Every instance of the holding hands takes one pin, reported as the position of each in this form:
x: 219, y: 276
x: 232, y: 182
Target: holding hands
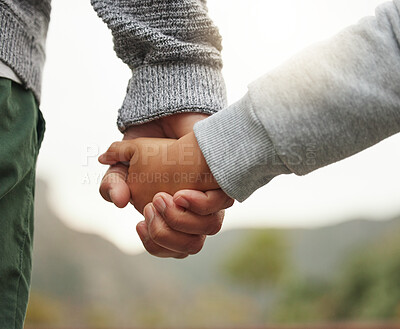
x: 167, y: 179
x: 160, y: 164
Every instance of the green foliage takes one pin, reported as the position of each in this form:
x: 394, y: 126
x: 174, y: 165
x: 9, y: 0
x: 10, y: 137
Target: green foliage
x: 368, y: 289
x: 260, y: 260
x: 370, y: 286
x: 303, y: 301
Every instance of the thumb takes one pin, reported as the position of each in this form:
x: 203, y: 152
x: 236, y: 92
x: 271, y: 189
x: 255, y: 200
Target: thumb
x: 119, y: 152
x: 114, y: 188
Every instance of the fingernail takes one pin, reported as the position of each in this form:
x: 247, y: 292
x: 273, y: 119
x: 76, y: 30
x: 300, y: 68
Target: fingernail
x: 110, y: 195
x: 101, y: 157
x: 140, y: 229
x: 180, y: 201
x: 160, y: 204
x: 149, y: 213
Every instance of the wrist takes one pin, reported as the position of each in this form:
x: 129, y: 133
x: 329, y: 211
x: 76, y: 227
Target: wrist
x: 192, y: 161
x: 180, y: 124
x: 173, y: 126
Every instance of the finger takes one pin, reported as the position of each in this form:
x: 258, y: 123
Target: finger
x: 153, y: 248
x: 182, y: 220
x: 203, y: 203
x: 113, y: 187
x: 119, y: 152
x: 161, y: 234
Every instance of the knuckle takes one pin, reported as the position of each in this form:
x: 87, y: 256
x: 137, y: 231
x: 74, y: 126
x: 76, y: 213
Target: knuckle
x: 152, y: 249
x: 204, y: 210
x: 208, y: 209
x: 195, y: 245
x: 159, y: 195
x: 172, y: 219
x: 220, y: 215
x: 156, y: 232
x: 229, y: 203
x: 114, y: 145
x: 215, y: 222
x: 214, y: 227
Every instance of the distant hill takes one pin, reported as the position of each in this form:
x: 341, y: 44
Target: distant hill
x: 97, y: 284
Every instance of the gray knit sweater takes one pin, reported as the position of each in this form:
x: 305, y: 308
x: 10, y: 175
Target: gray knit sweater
x: 329, y: 102
x: 172, y: 47
x: 325, y: 104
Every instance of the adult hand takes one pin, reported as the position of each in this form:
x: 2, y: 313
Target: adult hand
x: 170, y: 230
x: 166, y: 233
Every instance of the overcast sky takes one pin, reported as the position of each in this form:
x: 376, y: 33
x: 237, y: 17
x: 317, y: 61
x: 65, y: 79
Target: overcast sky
x: 84, y: 85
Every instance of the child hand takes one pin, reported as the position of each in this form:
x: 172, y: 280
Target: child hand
x: 161, y: 165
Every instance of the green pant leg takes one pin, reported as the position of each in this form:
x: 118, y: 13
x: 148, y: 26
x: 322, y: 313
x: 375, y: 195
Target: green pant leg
x: 21, y: 131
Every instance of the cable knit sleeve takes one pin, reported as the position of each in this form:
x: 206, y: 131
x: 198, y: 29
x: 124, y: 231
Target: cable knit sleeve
x: 174, y: 51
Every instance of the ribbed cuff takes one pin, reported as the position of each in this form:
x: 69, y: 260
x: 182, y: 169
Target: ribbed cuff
x: 20, y: 51
x: 157, y: 91
x: 238, y: 150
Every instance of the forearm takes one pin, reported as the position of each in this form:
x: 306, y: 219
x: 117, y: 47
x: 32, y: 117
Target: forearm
x: 173, y: 49
x: 329, y: 102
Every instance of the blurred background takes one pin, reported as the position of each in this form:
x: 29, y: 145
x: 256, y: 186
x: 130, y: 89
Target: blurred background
x: 324, y: 248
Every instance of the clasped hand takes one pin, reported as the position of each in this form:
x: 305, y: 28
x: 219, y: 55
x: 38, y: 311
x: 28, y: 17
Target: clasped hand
x: 167, y: 180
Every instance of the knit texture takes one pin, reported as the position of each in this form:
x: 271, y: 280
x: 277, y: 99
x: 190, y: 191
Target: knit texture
x: 247, y: 159
x: 23, y: 30
x: 173, y: 49
x: 6, y: 72
x: 155, y: 91
x: 327, y: 103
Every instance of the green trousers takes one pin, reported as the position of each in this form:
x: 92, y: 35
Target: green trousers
x: 21, y: 132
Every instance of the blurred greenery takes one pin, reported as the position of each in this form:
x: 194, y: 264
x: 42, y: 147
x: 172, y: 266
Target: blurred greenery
x: 261, y: 260
x: 242, y: 278
x: 367, y: 287
x: 303, y: 301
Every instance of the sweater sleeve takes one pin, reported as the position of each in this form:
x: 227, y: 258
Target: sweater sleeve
x: 174, y: 51
x: 327, y: 103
